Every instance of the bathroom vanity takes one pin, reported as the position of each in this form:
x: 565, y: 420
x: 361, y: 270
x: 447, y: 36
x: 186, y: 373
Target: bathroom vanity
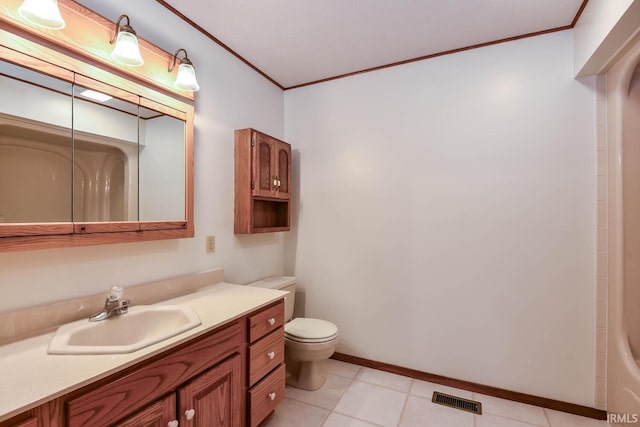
x: 229, y: 371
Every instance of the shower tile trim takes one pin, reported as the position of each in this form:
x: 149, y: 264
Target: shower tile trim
x: 602, y: 244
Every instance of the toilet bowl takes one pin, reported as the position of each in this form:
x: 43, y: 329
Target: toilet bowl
x: 308, y: 342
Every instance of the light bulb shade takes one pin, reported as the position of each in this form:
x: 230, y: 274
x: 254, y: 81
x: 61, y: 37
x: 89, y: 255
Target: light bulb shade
x: 186, y: 78
x: 42, y: 13
x: 126, y: 50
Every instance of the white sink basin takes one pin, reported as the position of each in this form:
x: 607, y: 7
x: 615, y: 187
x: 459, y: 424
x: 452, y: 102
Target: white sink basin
x: 139, y: 328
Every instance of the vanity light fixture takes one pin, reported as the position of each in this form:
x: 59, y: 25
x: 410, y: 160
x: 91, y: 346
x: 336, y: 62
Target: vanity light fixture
x: 42, y: 13
x: 186, y: 78
x: 126, y: 50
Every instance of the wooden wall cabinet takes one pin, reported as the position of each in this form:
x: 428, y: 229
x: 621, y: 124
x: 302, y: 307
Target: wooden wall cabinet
x: 262, y: 183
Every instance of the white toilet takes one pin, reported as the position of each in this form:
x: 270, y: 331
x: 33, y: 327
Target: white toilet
x: 307, y: 342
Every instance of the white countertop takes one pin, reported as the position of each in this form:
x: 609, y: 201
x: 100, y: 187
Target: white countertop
x: 29, y: 376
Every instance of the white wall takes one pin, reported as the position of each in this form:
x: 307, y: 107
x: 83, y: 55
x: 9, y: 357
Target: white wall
x: 447, y: 215
x: 232, y: 96
x: 594, y: 41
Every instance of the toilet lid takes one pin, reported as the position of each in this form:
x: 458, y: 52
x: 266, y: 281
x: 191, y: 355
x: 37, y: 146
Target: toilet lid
x: 303, y: 329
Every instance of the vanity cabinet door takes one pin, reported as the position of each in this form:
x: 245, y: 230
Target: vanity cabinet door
x: 282, y: 162
x: 158, y: 414
x: 36, y: 417
x: 213, y: 399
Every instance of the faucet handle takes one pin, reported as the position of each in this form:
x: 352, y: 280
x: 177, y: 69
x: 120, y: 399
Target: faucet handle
x: 115, y: 293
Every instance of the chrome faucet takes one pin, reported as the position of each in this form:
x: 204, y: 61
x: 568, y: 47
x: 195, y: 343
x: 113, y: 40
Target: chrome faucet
x: 114, y: 305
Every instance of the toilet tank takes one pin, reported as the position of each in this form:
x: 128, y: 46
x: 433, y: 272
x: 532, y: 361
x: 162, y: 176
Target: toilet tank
x: 282, y: 283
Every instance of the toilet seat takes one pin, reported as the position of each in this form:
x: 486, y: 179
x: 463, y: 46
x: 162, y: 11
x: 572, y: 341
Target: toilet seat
x: 306, y: 330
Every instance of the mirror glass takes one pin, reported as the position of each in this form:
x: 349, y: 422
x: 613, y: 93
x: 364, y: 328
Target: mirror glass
x: 68, y: 155
x: 35, y: 147
x: 162, y: 166
x: 105, y: 157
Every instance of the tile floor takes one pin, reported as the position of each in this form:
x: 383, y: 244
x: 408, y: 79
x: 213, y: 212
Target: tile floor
x: 355, y: 396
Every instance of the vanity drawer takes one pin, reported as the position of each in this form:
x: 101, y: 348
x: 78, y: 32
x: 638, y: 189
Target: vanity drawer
x: 265, y: 396
x: 265, y: 355
x: 266, y: 321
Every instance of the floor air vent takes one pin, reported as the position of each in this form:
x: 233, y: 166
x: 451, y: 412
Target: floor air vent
x: 457, y: 402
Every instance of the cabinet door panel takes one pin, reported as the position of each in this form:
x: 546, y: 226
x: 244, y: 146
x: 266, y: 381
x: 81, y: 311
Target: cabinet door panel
x: 214, y: 399
x: 284, y: 173
x: 126, y: 395
x: 157, y: 414
x: 263, y: 173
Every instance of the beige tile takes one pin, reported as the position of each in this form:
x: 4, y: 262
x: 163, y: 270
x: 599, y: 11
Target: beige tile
x: 601, y: 340
x: 602, y: 264
x: 602, y: 213
x: 344, y: 369
x: 326, y: 396
x: 601, y: 137
x: 420, y: 412
x: 601, y: 315
x: 601, y: 87
x: 600, y: 388
x: 601, y: 365
x: 602, y: 167
x: 425, y: 389
x: 291, y: 413
x: 602, y: 189
x: 601, y: 112
x: 509, y: 409
x: 602, y: 288
x: 602, y: 238
x: 369, y: 402
x: 339, y: 420
x: 562, y: 419
x: 384, y: 379
x: 489, y: 420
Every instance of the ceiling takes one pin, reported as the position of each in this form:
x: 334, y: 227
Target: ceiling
x: 296, y: 42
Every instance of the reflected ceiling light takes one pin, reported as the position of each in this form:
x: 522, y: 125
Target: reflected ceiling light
x: 42, y: 13
x: 186, y: 78
x: 126, y: 50
x: 98, y: 96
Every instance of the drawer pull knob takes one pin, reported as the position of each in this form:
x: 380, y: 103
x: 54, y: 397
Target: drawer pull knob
x: 272, y: 395
x: 272, y: 321
x: 173, y: 423
x: 189, y: 413
x: 271, y: 355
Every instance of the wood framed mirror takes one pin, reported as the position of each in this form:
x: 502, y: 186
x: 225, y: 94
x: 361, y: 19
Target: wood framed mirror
x: 77, y: 171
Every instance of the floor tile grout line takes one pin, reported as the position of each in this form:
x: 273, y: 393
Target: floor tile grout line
x: 544, y: 410
x: 356, y: 418
x: 404, y: 405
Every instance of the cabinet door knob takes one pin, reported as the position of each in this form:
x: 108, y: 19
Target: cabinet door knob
x: 173, y: 423
x: 272, y: 321
x: 189, y: 413
x: 272, y: 395
x: 271, y: 355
